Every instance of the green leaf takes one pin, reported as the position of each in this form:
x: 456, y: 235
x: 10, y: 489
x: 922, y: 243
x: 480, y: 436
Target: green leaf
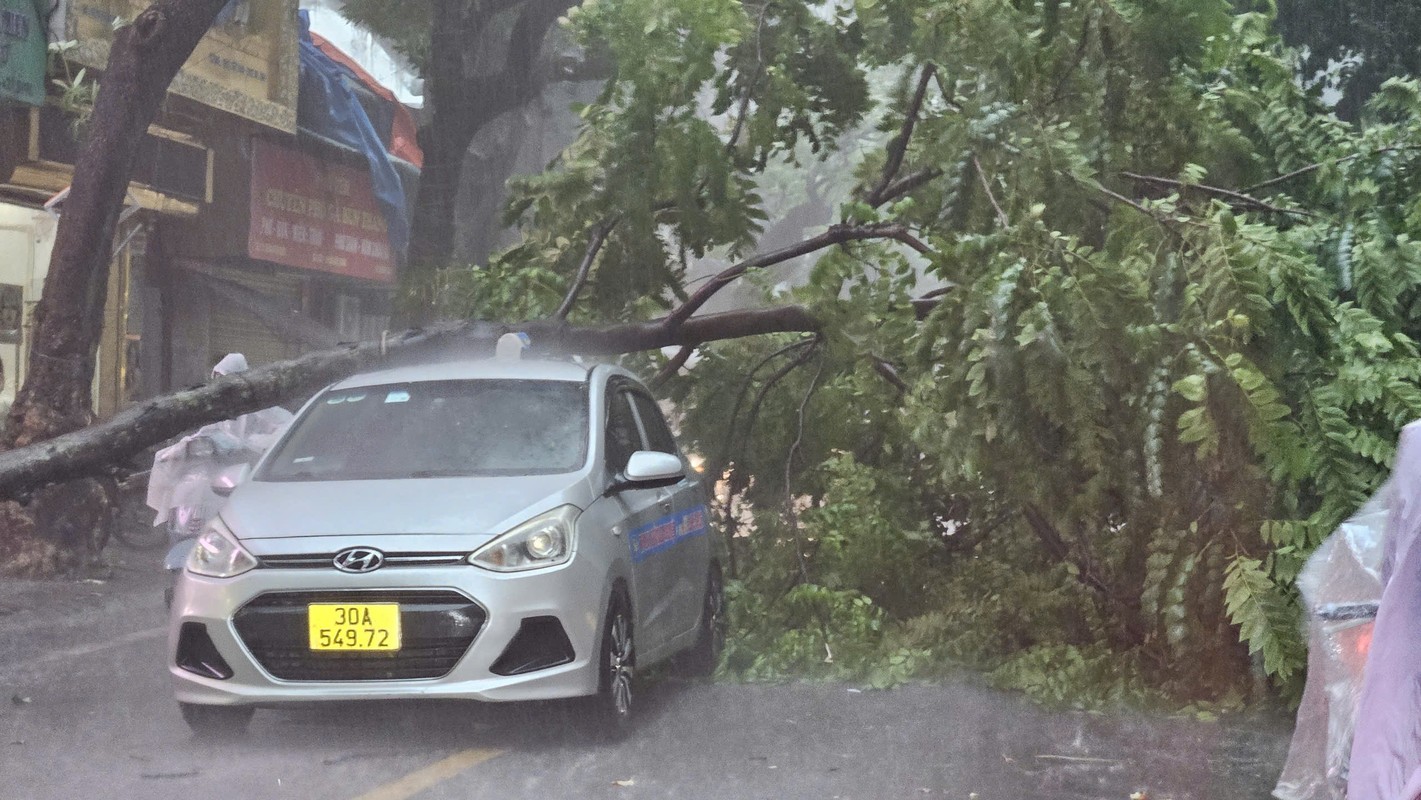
x: 1191, y: 388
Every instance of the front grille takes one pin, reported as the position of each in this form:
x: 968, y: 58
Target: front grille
x: 437, y: 627
x: 323, y: 560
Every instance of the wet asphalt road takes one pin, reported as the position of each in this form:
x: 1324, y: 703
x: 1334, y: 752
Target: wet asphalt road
x: 101, y: 723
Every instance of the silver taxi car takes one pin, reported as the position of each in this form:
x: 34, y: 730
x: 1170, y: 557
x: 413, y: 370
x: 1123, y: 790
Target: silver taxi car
x: 491, y: 530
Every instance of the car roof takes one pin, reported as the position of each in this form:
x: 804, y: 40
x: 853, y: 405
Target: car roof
x: 473, y: 369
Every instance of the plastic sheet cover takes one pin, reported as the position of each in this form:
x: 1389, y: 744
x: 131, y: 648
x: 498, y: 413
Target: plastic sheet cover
x: 1386, y: 750
x: 1341, y: 586
x: 181, y: 480
x: 182, y: 475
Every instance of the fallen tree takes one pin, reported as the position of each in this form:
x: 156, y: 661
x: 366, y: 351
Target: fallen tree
x: 57, y: 490
x: 96, y: 450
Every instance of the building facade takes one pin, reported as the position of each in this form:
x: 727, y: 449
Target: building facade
x: 254, y: 222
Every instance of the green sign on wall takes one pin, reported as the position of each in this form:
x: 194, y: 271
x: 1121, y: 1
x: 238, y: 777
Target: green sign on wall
x: 22, y: 52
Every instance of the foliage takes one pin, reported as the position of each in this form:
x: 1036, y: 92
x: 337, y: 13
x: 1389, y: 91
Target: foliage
x: 77, y: 90
x: 1177, y: 341
x: 404, y: 25
x: 498, y: 290
x: 1083, y: 677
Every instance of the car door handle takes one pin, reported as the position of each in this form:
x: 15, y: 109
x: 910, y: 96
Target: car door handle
x: 665, y: 502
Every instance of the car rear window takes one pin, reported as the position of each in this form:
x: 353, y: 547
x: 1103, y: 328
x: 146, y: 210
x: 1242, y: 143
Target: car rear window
x: 436, y: 429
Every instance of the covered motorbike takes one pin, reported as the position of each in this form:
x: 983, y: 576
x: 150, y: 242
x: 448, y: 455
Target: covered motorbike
x: 1341, y: 587
x: 186, y: 485
x: 1358, y: 731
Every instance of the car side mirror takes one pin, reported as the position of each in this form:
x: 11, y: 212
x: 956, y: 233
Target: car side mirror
x: 230, y: 478
x: 648, y: 469
x: 649, y: 466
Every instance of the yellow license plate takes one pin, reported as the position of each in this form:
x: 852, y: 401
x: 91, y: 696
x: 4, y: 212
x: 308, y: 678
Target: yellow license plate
x: 354, y: 626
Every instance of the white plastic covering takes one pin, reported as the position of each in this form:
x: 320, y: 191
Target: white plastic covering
x: 510, y: 346
x: 1341, y: 584
x: 1386, y: 749
x: 181, y: 480
x: 230, y: 363
x: 180, y: 485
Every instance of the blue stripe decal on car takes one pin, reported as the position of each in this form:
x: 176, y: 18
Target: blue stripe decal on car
x: 666, y: 533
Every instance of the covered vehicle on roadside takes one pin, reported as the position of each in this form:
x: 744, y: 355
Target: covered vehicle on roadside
x: 496, y: 530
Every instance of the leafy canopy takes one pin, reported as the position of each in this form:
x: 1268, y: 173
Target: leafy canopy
x: 1175, y: 346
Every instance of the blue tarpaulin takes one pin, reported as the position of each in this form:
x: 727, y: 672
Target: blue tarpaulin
x: 324, y: 85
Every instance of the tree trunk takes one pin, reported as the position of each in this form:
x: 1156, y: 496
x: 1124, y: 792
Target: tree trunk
x: 432, y: 230
x: 464, y: 96
x: 68, y: 321
x: 455, y: 25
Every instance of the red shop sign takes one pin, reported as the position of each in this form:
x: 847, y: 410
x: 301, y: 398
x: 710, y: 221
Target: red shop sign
x: 313, y: 214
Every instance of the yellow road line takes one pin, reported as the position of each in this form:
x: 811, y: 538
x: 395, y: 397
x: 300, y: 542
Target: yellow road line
x: 438, y: 772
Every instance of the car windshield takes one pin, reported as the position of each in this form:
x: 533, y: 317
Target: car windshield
x: 436, y: 429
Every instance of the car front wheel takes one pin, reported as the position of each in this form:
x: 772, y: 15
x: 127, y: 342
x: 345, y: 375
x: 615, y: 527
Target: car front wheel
x: 612, y: 706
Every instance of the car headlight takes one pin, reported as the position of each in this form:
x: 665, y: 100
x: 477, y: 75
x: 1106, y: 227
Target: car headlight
x: 217, y: 554
x: 544, y: 541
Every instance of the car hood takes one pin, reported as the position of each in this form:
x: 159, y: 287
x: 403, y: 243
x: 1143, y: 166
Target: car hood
x: 428, y: 506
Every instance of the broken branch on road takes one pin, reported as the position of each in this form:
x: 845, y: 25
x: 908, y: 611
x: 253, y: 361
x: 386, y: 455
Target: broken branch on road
x: 92, y: 451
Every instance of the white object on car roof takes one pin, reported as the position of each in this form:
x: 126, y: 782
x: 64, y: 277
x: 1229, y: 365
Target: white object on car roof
x: 511, y: 346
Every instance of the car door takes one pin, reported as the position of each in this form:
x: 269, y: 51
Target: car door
x: 645, y: 513
x: 685, y: 562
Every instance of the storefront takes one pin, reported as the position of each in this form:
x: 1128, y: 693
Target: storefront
x: 171, y: 181
x: 250, y: 226
x: 242, y: 75
x: 295, y: 258
x: 300, y: 249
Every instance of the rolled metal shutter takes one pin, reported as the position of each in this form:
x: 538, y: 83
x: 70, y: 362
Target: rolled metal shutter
x: 234, y: 330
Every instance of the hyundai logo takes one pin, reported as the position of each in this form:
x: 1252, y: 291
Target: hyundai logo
x: 358, y: 559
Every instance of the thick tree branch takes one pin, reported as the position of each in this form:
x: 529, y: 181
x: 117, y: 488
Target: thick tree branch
x: 518, y: 80
x: 923, y: 306
x: 888, y: 372
x: 906, y: 184
x: 93, y: 451
x: 463, y: 103
x: 594, y: 246
x: 898, y: 147
x: 837, y: 234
